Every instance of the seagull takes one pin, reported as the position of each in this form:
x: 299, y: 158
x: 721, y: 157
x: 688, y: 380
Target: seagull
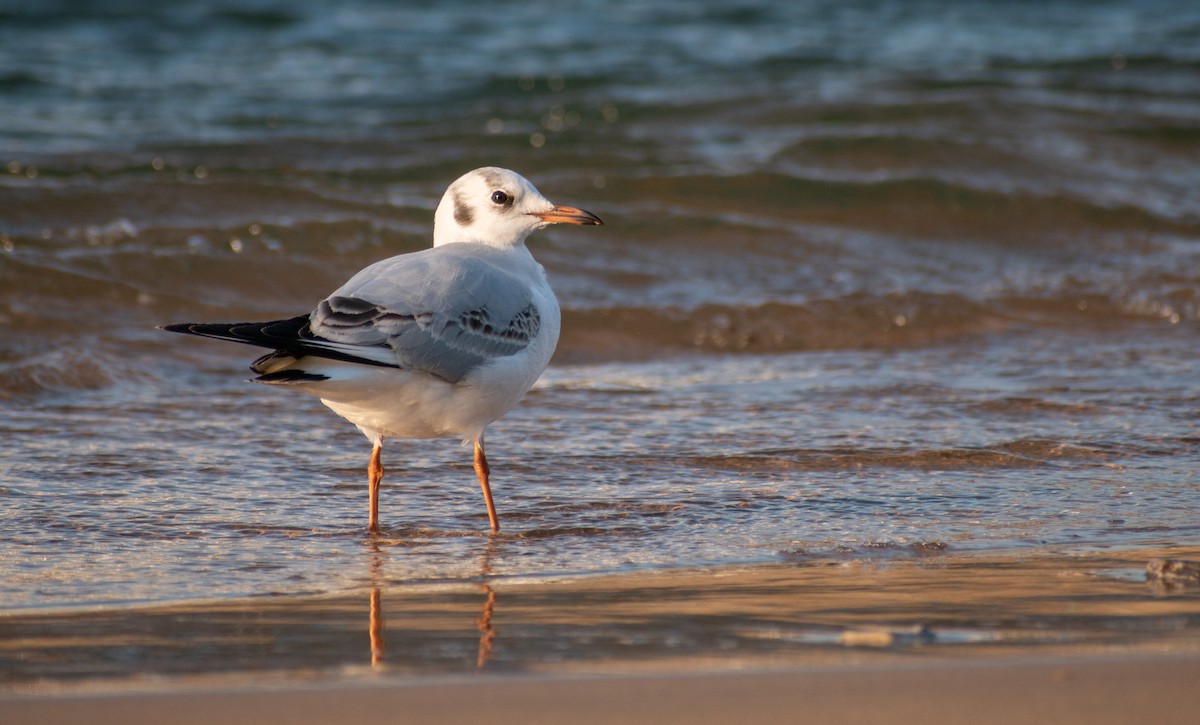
x: 440, y: 342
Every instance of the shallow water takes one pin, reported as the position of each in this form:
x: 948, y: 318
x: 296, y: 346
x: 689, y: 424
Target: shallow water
x: 875, y: 280
x: 182, y: 493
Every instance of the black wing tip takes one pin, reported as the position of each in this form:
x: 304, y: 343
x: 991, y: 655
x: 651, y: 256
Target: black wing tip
x: 207, y: 329
x: 288, y: 377
x: 274, y: 333
x: 291, y: 337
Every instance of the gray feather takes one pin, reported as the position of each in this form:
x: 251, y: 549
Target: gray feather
x: 443, y: 311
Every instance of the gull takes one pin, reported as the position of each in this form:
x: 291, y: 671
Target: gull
x: 440, y: 342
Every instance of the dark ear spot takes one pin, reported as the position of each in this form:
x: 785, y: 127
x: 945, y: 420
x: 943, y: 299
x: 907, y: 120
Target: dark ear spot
x: 462, y: 212
x: 492, y: 177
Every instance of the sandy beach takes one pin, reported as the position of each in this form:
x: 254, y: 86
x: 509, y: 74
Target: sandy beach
x: 1049, y: 690
x: 1050, y: 637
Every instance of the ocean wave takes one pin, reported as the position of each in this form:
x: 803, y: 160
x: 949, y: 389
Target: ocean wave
x: 853, y: 322
x: 1029, y: 453
x: 912, y: 206
x: 56, y: 370
x: 127, y: 278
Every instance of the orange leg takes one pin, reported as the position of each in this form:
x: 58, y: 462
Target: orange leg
x: 374, y: 476
x: 482, y: 471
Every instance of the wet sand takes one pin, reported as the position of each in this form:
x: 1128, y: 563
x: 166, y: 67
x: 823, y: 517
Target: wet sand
x: 1047, y: 637
x: 1095, y: 691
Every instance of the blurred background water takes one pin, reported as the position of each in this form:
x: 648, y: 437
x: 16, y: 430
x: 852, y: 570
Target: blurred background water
x: 877, y: 279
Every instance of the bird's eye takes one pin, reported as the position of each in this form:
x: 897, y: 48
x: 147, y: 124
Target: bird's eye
x: 500, y: 197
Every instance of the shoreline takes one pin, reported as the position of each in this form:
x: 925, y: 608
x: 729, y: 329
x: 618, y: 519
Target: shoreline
x: 819, y: 613
x: 1095, y: 690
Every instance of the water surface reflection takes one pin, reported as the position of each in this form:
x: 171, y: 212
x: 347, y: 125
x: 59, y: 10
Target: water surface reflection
x: 806, y: 612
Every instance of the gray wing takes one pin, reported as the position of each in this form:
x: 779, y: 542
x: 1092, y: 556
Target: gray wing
x: 443, y: 311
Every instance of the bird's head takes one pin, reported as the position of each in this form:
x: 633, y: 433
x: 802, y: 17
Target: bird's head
x: 499, y: 208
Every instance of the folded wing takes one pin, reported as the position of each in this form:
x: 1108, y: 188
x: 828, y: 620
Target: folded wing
x: 443, y: 311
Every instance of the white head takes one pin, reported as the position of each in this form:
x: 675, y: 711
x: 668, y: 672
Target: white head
x: 499, y: 208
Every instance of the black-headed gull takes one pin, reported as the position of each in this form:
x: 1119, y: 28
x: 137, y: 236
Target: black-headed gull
x: 434, y: 343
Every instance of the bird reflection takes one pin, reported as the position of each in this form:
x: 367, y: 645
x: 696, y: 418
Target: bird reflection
x: 376, y: 629
x: 376, y: 624
x: 486, y: 634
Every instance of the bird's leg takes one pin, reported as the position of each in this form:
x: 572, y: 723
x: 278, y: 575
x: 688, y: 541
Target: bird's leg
x: 482, y: 471
x: 374, y: 476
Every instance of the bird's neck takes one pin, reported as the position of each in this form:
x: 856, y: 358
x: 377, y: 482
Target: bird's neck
x: 455, y: 234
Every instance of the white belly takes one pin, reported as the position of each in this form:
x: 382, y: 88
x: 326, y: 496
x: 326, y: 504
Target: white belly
x: 390, y: 403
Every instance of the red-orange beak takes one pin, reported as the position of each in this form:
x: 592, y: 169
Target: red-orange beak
x: 568, y: 215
